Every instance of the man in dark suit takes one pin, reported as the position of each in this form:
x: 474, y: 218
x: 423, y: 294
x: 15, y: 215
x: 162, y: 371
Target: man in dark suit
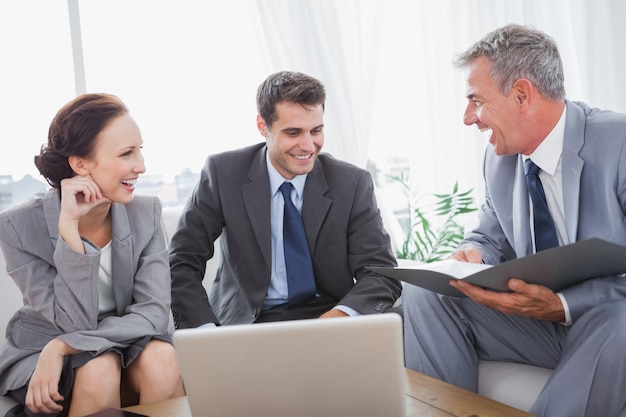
x: 515, y: 91
x: 238, y: 199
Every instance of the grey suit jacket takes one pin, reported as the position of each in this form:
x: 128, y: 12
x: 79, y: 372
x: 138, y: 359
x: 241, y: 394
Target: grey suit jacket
x: 232, y: 200
x: 59, y: 285
x: 594, y: 194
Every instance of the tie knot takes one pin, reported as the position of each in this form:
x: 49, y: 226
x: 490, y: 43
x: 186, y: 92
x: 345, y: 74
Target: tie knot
x: 285, y: 188
x: 530, y: 168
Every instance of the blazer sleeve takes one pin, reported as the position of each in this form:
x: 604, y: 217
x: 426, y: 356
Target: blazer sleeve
x: 191, y: 246
x: 368, y: 244
x: 64, y: 298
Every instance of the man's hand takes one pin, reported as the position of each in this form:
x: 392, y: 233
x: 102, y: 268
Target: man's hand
x: 528, y: 300
x: 333, y: 313
x: 467, y: 254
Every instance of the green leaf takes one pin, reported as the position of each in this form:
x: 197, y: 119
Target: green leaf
x: 425, y: 241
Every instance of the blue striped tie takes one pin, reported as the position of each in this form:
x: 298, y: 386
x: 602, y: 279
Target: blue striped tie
x: 545, y: 232
x: 300, y: 278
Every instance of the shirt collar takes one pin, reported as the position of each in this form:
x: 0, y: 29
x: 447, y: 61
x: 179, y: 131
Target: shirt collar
x: 276, y: 180
x: 548, y: 153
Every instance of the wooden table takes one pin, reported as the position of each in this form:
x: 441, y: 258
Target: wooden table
x: 426, y: 397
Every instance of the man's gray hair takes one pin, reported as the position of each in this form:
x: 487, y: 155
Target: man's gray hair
x: 517, y: 51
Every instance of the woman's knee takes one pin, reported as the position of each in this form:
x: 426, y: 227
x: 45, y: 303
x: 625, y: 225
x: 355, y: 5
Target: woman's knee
x: 100, y: 376
x: 157, y: 361
x: 155, y: 374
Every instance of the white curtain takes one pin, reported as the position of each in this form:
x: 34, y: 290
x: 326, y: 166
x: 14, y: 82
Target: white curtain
x: 334, y: 41
x: 189, y: 71
x: 392, y: 90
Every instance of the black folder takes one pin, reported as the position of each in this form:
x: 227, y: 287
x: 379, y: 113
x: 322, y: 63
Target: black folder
x: 556, y: 268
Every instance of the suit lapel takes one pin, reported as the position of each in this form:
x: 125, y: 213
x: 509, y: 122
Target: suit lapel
x: 122, y: 256
x: 572, y: 166
x: 256, y: 197
x: 315, y: 205
x: 52, y: 211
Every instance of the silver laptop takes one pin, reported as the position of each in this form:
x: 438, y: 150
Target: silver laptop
x: 340, y: 367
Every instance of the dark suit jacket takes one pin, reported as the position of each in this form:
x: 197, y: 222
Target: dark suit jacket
x: 60, y: 285
x: 594, y: 196
x: 232, y: 200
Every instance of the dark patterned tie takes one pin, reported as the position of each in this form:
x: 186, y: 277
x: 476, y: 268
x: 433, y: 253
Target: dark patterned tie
x: 300, y: 279
x: 545, y: 232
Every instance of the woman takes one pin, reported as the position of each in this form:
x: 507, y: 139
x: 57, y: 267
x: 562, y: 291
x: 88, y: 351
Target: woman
x: 90, y: 260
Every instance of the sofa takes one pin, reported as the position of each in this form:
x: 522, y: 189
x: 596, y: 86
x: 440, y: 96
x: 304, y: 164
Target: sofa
x: 511, y: 383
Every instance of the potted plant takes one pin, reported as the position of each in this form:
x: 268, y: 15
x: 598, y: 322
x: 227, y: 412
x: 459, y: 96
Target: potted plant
x: 433, y: 230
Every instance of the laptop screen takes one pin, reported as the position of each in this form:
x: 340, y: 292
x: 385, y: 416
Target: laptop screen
x: 351, y: 366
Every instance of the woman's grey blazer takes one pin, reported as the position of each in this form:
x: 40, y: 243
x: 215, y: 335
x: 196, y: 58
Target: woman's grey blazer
x: 60, y: 286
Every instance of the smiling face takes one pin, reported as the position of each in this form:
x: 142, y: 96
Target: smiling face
x: 490, y: 110
x: 117, y: 161
x: 295, y: 138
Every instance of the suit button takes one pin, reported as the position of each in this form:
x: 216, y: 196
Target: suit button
x: 378, y: 306
x: 255, y: 313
